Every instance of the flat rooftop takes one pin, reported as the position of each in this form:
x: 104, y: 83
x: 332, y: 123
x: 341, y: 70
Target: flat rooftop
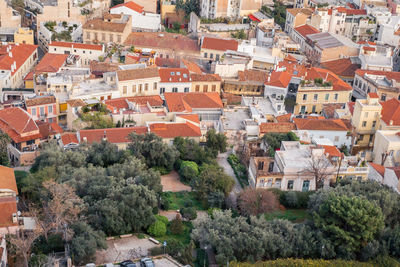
x: 233, y: 119
x: 324, y: 40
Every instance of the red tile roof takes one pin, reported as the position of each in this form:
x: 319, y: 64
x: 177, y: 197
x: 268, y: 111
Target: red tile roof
x: 113, y: 135
x: 185, y: 102
x: 7, y: 179
x: 48, y: 129
x: 368, y: 48
x: 18, y: 124
x: 366, y: 42
x: 327, y: 75
x: 350, y: 12
x: 192, y: 67
x: 342, y: 67
x: 320, y: 125
x: 77, y: 45
x: 305, y: 30
x: 131, y: 5
x: 391, y: 112
x: 293, y: 69
x: 69, y: 138
x: 277, y: 127
x: 190, y: 117
x: 389, y: 74
x: 173, y: 75
x: 120, y: 103
x: 172, y: 130
x: 373, y: 95
x: 167, y: 62
x: 205, y: 77
x: 219, y: 44
x: 279, y: 79
x: 50, y: 63
x: 8, y: 206
x: 332, y: 151
x: 379, y: 168
x: 20, y: 53
x: 253, y: 76
x: 40, y: 100
x: 29, y: 76
x: 351, y: 107
x: 284, y: 118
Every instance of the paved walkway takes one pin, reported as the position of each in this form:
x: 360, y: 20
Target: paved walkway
x: 223, y: 162
x: 171, y: 182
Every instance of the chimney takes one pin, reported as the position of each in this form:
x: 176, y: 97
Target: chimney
x: 170, y: 79
x: 269, y: 78
x: 104, y: 136
x: 10, y: 54
x: 391, y: 122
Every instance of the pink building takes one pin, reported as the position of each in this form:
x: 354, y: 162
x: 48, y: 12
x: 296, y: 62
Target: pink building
x: 42, y: 108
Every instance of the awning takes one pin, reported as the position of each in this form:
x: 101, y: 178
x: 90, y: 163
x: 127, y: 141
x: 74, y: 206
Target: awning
x: 253, y: 18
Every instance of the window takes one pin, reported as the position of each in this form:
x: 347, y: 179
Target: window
x: 315, y: 97
x: 103, y: 36
x: 205, y: 55
x: 88, y: 35
x: 373, y: 124
x: 185, y: 75
x: 174, y: 89
x: 366, y: 114
x: 303, y: 109
x: 178, y: 73
x: 119, y: 38
x: 304, y: 97
x: 313, y: 109
x: 124, y: 89
x: 213, y: 88
x: 364, y: 124
x: 336, y: 138
x: 162, y: 90
x: 326, y: 97
x: 186, y: 90
x: 197, y: 88
x: 34, y: 112
x: 50, y: 109
x: 306, y: 186
x: 140, y: 88
x: 172, y: 73
x: 146, y: 86
x: 111, y: 38
x: 211, y: 55
x: 134, y: 88
x: 336, y: 97
x: 290, y: 184
x: 217, y: 57
x: 155, y: 86
x: 41, y: 111
x: 205, y: 88
x: 383, y: 97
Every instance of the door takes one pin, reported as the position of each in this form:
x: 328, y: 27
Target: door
x: 306, y: 186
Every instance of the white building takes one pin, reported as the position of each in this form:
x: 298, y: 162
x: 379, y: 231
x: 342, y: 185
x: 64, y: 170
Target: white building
x: 388, y: 33
x: 141, y: 21
x: 86, y: 52
x: 174, y: 80
x: 72, y: 31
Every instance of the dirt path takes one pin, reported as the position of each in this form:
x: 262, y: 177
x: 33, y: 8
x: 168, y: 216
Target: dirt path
x: 171, y: 182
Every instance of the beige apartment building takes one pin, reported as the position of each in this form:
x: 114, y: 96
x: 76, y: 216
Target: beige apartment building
x: 228, y: 8
x: 296, y: 17
x: 111, y: 28
x: 365, y: 119
x: 205, y: 83
x: 320, y: 87
x: 138, y: 82
x: 24, y: 36
x: 386, y: 150
x: 8, y: 17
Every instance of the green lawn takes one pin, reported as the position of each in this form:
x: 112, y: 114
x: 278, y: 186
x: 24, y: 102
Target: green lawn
x: 293, y: 215
x: 178, y: 200
x: 184, y: 238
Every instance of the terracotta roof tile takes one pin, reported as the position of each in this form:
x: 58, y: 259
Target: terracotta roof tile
x: 284, y: 118
x: 173, y: 75
x: 8, y: 206
x: 135, y: 74
x: 102, y: 24
x: 50, y: 63
x: 205, y: 77
x: 389, y: 74
x: 192, y: 67
x: 329, y: 109
x: 277, y: 127
x: 76, y: 103
x: 391, y: 112
x: 253, y: 76
x: 131, y: 5
x: 379, y: 168
x: 20, y: 53
x: 320, y: 125
x: 305, y: 30
x: 172, y: 130
x: 121, y: 103
x: 219, y: 44
x: 167, y: 62
x: 113, y: 135
x: 332, y: 151
x: 7, y: 179
x: 77, y: 45
x: 190, y: 117
x: 350, y: 12
x: 279, y: 79
x: 185, y: 102
x: 69, y: 138
x: 162, y: 40
x: 373, y: 95
x: 342, y: 67
x: 327, y: 75
x: 40, y: 100
x: 295, y: 11
x: 48, y: 129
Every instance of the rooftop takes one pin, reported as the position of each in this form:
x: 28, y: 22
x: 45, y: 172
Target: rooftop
x: 342, y: 67
x: 109, y: 23
x: 40, y: 100
x: 320, y: 125
x: 324, y: 40
x: 174, y: 75
x: 7, y: 179
x: 135, y: 74
x: 305, y: 30
x: 131, y: 5
x: 185, y: 102
x: 77, y: 45
x: 219, y: 44
x: 50, y: 63
x: 112, y: 135
x: 390, y: 113
x: 173, y: 129
x: 13, y: 53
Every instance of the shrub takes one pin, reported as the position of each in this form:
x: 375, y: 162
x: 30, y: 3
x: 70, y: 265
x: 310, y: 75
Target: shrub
x: 162, y: 218
x: 176, y: 226
x: 164, y: 203
x: 157, y: 229
x: 188, y: 170
x: 294, y: 199
x: 189, y: 213
x: 291, y: 199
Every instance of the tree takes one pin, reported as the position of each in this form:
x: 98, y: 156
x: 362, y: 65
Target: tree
x: 188, y: 170
x: 190, y: 150
x: 188, y: 6
x: 105, y: 154
x: 255, y: 201
x: 85, y: 243
x: 157, y: 229
x: 216, y: 142
x: 216, y: 199
x: 4, y: 141
x: 176, y: 226
x: 153, y: 150
x: 320, y: 168
x: 188, y: 213
x: 274, y: 140
x: 349, y: 222
x: 212, y: 178
x: 239, y: 35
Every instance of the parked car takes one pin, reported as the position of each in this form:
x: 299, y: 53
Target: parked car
x: 127, y: 263
x: 147, y: 262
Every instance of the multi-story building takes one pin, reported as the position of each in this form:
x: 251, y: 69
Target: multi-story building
x: 386, y: 149
x: 138, y: 82
x: 111, y: 28
x: 296, y: 17
x: 365, y: 120
x: 86, y: 52
x: 328, y: 20
x: 174, y: 80
x: 320, y: 87
x: 24, y: 134
x: 9, y: 18
x: 388, y: 32
x: 224, y: 8
x: 62, y: 31
x: 299, y: 34
x: 215, y: 48
x: 141, y: 21
x: 24, y: 36
x: 376, y: 57
x: 42, y: 108
x: 248, y: 82
x: 205, y: 82
x: 16, y: 60
x: 385, y: 83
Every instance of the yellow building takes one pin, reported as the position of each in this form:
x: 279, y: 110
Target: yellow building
x: 205, y: 82
x: 24, y: 36
x: 166, y: 7
x: 320, y: 87
x: 365, y: 119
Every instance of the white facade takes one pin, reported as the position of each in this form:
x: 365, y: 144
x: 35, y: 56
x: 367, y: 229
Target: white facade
x: 45, y: 35
x: 140, y: 21
x: 85, y: 52
x: 386, y: 32
x: 174, y: 87
x: 338, y: 138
